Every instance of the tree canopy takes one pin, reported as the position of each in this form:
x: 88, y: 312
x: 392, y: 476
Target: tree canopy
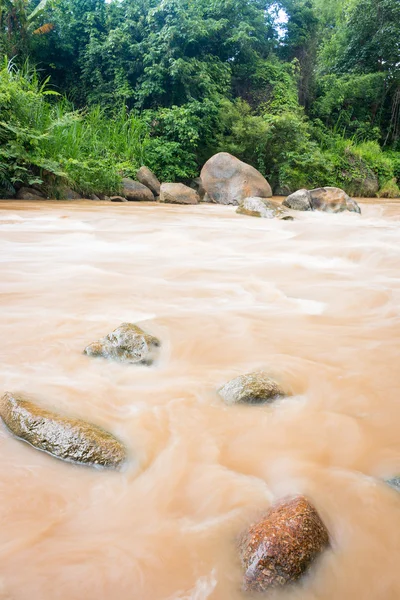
x: 288, y: 85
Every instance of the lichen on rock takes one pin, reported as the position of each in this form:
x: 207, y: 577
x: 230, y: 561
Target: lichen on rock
x: 63, y: 437
x: 251, y: 388
x: 128, y: 343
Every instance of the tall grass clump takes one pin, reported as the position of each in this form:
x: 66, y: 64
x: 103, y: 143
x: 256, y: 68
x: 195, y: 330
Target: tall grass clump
x: 44, y: 141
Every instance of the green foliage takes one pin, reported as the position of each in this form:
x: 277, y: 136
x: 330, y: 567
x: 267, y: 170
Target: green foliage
x: 44, y: 141
x: 167, y: 84
x: 390, y: 189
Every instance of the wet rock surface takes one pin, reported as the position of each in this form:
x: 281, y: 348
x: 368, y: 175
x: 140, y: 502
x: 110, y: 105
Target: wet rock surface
x: 300, y: 200
x: 128, y: 343
x: 63, y: 437
x: 331, y: 199
x: 394, y: 482
x: 178, y: 193
x: 228, y: 180
x: 118, y: 199
x: 261, y: 207
x: 147, y: 178
x: 282, y: 545
x: 251, y: 388
x: 26, y: 193
x: 135, y: 191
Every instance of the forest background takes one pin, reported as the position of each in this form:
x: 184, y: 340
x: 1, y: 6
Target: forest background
x: 307, y: 91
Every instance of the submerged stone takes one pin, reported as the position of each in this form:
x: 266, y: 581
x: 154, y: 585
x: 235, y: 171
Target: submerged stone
x: 281, y: 546
x: 394, y: 482
x: 261, y: 207
x: 63, y: 437
x: 252, y: 388
x: 128, y: 343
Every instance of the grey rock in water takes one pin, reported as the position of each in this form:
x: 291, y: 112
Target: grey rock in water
x: 128, y: 343
x: 63, y: 437
x: 118, y: 199
x: 197, y: 185
x: 228, y: 180
x: 94, y: 197
x: 26, y: 193
x: 261, y: 207
x: 135, y: 191
x: 300, y: 200
x: 281, y: 547
x: 332, y: 199
x: 178, y: 193
x: 394, y: 482
x: 66, y: 193
x: 252, y: 388
x: 147, y: 178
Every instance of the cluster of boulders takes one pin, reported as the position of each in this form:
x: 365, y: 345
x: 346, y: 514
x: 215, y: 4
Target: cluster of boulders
x: 224, y: 179
x: 276, y: 550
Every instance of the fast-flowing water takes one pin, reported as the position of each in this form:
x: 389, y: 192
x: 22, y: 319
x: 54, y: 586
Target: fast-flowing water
x: 315, y: 301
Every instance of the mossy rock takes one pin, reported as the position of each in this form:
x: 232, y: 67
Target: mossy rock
x: 63, y: 437
x: 251, y: 388
x: 128, y: 344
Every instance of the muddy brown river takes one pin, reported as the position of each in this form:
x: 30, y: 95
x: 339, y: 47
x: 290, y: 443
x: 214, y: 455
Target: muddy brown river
x: 315, y: 301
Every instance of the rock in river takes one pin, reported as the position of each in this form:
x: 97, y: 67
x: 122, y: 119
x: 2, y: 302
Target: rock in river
x: 63, y: 437
x: 147, y: 178
x: 394, y: 482
x: 178, y: 193
x: 228, y: 180
x: 252, y: 388
x: 128, y: 343
x: 332, y: 199
x: 300, y: 200
x: 261, y: 207
x: 133, y: 190
x: 281, y: 546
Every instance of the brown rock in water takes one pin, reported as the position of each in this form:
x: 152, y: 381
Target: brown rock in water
x: 178, y: 193
x: 281, y: 547
x: 228, y: 180
x: 147, y: 178
x: 252, y: 388
x: 261, y: 207
x: 62, y: 437
x: 334, y: 200
x: 135, y: 191
x: 128, y: 343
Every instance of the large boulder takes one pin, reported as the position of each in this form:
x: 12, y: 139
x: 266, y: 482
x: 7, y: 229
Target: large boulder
x: 261, y: 207
x: 26, y: 193
x: 178, y: 193
x: 332, y: 199
x: 300, y: 200
x: 251, y: 388
x: 147, y: 178
x: 128, y: 343
x: 135, y: 191
x: 63, y: 437
x: 281, y: 547
x: 228, y: 180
